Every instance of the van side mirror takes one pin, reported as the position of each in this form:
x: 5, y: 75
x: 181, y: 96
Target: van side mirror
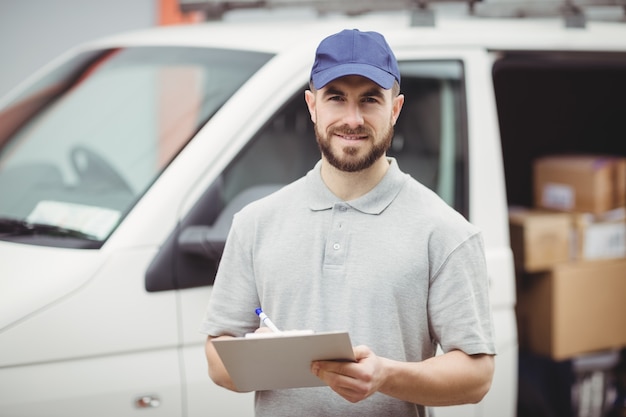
x: 209, y: 241
x: 205, y: 241
x: 190, y: 255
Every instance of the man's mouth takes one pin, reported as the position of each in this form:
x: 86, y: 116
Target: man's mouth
x: 351, y: 134
x: 351, y: 137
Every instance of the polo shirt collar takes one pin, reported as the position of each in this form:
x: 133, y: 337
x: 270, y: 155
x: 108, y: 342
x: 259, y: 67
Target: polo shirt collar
x: 374, y: 202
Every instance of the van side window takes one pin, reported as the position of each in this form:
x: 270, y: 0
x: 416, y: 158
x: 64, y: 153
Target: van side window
x: 430, y: 135
x: 284, y: 150
x: 281, y: 152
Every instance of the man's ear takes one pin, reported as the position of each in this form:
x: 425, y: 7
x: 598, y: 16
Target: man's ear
x: 309, y: 97
x: 398, y: 102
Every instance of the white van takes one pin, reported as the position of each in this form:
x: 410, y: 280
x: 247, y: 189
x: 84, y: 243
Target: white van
x: 122, y: 162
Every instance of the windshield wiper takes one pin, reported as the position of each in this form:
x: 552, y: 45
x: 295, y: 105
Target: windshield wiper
x: 16, y: 227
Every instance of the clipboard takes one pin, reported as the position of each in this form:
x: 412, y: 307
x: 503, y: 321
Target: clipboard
x: 281, y: 360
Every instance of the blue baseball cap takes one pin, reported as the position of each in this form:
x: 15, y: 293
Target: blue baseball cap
x: 352, y: 52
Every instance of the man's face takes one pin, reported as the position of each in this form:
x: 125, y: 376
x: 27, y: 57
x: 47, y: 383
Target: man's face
x: 354, y: 119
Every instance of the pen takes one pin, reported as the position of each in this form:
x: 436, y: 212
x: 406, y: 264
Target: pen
x: 266, y: 320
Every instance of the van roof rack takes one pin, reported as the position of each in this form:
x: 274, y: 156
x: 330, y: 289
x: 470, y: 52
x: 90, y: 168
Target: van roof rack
x: 422, y: 15
x: 572, y: 11
x: 575, y: 13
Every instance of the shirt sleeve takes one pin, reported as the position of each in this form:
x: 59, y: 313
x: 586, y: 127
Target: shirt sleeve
x: 459, y: 306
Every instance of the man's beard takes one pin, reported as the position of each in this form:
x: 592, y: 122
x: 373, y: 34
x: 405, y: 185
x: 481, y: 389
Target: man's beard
x: 347, y: 160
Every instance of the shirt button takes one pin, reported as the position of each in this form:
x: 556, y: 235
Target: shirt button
x: 336, y: 246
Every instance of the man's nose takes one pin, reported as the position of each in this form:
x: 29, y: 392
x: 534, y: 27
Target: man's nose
x: 353, y: 116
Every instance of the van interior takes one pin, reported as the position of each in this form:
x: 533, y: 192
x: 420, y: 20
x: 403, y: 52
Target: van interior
x: 557, y: 103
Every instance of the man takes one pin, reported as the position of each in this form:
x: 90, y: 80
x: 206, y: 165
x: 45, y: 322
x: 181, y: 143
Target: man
x: 358, y: 245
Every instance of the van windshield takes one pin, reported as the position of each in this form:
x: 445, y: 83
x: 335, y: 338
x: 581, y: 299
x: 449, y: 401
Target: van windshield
x: 79, y: 147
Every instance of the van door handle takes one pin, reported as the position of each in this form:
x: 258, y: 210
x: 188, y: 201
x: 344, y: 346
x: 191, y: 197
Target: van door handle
x: 147, y: 401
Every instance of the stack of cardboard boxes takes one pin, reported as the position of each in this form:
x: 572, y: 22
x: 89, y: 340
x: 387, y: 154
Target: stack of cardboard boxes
x: 570, y: 256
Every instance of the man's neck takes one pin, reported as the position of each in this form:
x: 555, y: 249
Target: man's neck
x: 352, y: 185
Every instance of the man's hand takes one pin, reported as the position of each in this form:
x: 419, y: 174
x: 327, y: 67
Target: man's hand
x: 263, y: 330
x: 354, y: 381
x: 449, y: 379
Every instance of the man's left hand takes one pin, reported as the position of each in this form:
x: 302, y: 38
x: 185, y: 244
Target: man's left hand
x: 354, y: 381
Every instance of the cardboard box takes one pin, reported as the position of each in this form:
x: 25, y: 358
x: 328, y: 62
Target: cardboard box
x: 539, y: 239
x: 577, y: 308
x: 580, y: 183
x: 599, y: 237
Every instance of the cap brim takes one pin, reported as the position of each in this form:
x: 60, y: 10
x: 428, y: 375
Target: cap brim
x: 382, y: 78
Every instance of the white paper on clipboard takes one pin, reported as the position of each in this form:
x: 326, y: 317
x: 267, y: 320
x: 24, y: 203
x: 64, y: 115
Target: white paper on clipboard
x: 283, y: 361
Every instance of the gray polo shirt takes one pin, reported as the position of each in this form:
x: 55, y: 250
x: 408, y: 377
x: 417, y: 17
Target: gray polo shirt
x: 398, y: 268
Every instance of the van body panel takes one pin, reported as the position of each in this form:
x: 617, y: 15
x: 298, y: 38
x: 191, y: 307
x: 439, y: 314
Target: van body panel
x: 103, y: 385
x: 33, y: 277
x: 116, y: 316
x: 204, y: 397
